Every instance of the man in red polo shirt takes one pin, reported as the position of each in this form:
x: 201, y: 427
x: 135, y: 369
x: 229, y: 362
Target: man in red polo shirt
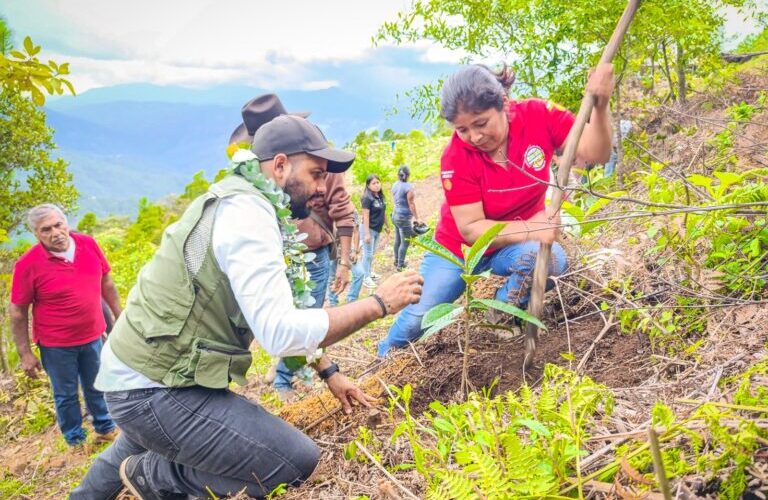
x: 64, y: 277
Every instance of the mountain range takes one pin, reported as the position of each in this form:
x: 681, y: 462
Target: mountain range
x: 129, y: 141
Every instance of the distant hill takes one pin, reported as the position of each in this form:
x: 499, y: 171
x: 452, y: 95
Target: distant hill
x: 130, y: 141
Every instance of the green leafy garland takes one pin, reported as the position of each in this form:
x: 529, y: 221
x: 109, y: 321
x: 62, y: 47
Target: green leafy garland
x: 246, y: 164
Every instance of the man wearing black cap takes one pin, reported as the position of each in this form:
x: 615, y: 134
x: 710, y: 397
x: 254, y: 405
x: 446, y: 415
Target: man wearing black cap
x: 216, y: 283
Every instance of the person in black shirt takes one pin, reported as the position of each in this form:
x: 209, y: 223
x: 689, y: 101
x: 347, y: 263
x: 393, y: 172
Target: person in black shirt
x: 374, y: 221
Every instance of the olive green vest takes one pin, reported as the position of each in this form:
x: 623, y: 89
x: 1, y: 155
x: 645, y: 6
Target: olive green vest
x: 182, y: 325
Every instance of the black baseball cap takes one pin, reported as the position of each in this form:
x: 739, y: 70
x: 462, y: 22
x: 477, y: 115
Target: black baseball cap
x: 290, y: 134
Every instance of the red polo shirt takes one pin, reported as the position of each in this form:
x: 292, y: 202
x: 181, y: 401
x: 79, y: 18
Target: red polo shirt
x: 65, y: 296
x: 536, y: 129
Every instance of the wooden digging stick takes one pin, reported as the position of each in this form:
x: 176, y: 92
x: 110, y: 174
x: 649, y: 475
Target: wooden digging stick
x: 541, y: 271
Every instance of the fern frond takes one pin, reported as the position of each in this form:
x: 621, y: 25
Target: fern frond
x: 452, y: 485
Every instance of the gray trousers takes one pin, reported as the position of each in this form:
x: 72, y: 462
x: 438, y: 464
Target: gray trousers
x: 403, y: 233
x: 199, y: 441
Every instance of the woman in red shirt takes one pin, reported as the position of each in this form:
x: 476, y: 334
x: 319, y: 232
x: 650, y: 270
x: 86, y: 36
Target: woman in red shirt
x: 496, y: 169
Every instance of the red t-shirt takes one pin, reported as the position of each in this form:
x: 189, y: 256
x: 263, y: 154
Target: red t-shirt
x: 536, y: 129
x: 65, y: 296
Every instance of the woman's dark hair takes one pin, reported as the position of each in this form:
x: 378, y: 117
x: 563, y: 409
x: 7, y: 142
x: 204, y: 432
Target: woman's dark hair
x: 475, y: 88
x: 368, y: 180
x: 403, y: 173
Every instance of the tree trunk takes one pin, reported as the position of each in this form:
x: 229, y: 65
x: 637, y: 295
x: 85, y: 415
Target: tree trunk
x: 667, y: 71
x: 681, y: 84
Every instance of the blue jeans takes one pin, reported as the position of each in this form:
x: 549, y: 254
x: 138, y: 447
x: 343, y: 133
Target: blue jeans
x: 369, y: 249
x: 65, y: 366
x: 443, y: 284
x: 403, y: 234
x: 358, y: 273
x: 200, y: 442
x: 319, y: 270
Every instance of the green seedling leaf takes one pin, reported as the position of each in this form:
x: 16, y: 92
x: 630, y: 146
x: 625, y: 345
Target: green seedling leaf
x: 573, y: 210
x: 436, y: 248
x: 437, y: 313
x: 443, y: 321
x: 470, y: 279
x: 478, y: 248
x: 514, y: 311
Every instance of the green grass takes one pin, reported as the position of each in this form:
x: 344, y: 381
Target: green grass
x: 10, y: 487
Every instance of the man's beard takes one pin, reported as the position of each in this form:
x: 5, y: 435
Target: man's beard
x: 299, y: 199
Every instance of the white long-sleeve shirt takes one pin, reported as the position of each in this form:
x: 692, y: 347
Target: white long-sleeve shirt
x: 248, y: 248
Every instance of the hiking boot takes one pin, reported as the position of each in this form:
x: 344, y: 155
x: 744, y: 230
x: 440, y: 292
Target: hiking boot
x: 107, y: 437
x: 132, y: 475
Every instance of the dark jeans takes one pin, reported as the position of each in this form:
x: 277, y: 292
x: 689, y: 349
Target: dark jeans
x: 65, y: 366
x: 200, y: 441
x: 319, y: 273
x: 403, y: 233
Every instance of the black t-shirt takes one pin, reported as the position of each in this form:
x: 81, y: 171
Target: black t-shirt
x: 376, y: 207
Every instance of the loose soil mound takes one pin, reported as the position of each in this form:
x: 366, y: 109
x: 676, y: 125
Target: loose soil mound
x: 433, y: 368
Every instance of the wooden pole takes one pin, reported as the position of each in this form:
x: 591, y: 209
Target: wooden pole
x: 541, y: 270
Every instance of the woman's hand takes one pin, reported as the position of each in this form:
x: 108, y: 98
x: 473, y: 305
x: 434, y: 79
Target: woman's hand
x: 600, y: 84
x: 367, y: 238
x: 543, y: 227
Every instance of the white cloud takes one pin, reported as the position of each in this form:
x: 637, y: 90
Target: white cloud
x: 434, y: 53
x: 88, y: 73
x: 319, y: 85
x: 201, y: 42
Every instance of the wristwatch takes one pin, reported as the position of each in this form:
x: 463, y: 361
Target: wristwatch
x: 327, y: 372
